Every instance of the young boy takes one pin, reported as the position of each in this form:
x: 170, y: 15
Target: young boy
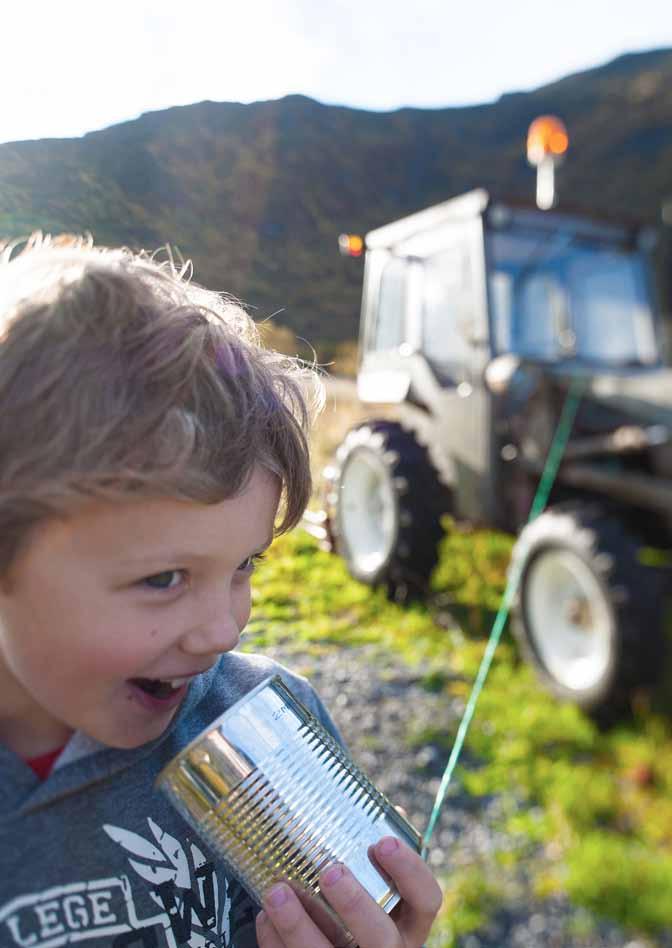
x: 147, y: 443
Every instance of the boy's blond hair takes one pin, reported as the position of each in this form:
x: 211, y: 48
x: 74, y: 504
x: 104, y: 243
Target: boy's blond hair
x: 120, y: 378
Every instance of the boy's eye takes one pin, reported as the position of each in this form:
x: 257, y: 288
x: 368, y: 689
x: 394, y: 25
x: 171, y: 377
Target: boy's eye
x: 247, y: 566
x: 169, y: 579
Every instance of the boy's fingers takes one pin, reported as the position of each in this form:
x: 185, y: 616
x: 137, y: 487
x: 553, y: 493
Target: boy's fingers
x: 267, y: 937
x: 369, y: 924
x: 419, y: 890
x: 286, y: 924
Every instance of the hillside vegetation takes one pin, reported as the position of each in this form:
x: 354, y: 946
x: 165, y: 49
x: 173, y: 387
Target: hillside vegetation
x: 257, y: 194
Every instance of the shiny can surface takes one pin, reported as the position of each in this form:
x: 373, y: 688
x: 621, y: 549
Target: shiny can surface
x: 279, y: 799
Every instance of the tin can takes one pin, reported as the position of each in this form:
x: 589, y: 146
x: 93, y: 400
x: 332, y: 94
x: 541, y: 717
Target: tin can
x: 279, y: 799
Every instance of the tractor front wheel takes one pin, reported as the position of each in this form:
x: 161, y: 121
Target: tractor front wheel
x: 589, y: 613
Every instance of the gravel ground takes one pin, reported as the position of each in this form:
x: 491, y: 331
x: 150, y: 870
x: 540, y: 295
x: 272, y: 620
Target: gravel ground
x: 378, y: 703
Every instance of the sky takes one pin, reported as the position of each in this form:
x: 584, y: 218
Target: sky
x: 74, y: 66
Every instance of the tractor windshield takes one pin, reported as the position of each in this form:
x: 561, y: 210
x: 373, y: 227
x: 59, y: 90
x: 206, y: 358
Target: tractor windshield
x: 555, y: 295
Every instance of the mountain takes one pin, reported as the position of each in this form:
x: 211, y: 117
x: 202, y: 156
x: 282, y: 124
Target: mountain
x: 256, y: 195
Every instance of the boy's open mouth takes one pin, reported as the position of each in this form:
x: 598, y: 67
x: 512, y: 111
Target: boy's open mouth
x: 156, y: 687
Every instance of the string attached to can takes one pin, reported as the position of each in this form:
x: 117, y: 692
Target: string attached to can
x: 546, y: 481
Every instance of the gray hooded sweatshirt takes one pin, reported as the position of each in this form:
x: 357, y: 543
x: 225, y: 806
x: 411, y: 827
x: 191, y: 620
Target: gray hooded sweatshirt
x: 96, y: 856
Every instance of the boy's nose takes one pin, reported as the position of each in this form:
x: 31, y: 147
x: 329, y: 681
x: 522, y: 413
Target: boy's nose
x: 217, y: 635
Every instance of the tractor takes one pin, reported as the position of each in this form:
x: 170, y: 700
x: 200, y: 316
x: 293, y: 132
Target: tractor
x: 477, y: 317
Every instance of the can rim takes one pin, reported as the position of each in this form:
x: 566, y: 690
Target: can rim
x: 175, y: 761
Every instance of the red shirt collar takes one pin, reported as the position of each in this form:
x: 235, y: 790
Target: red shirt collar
x: 43, y: 763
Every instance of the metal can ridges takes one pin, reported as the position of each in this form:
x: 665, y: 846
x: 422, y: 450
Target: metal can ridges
x: 267, y: 824
x: 278, y: 798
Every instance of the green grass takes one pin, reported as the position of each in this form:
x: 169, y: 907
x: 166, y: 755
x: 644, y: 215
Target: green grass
x: 469, y: 896
x: 590, y: 811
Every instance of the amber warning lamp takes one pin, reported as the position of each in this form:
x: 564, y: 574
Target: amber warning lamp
x: 547, y: 142
x: 351, y: 245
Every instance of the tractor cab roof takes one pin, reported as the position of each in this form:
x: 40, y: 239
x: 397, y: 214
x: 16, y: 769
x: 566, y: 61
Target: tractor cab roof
x: 412, y: 234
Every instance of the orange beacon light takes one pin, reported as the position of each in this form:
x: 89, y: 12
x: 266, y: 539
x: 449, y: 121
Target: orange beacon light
x: 351, y: 245
x: 547, y: 142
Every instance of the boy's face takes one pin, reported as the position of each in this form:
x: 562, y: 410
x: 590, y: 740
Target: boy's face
x: 103, y: 609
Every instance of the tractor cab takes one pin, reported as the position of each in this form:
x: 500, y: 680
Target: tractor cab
x: 459, y: 296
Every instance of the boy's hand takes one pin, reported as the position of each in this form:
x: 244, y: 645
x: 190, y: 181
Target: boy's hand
x: 285, y: 924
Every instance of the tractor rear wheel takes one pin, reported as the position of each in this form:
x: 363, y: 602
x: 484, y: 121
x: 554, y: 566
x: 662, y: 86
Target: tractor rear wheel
x: 385, y: 508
